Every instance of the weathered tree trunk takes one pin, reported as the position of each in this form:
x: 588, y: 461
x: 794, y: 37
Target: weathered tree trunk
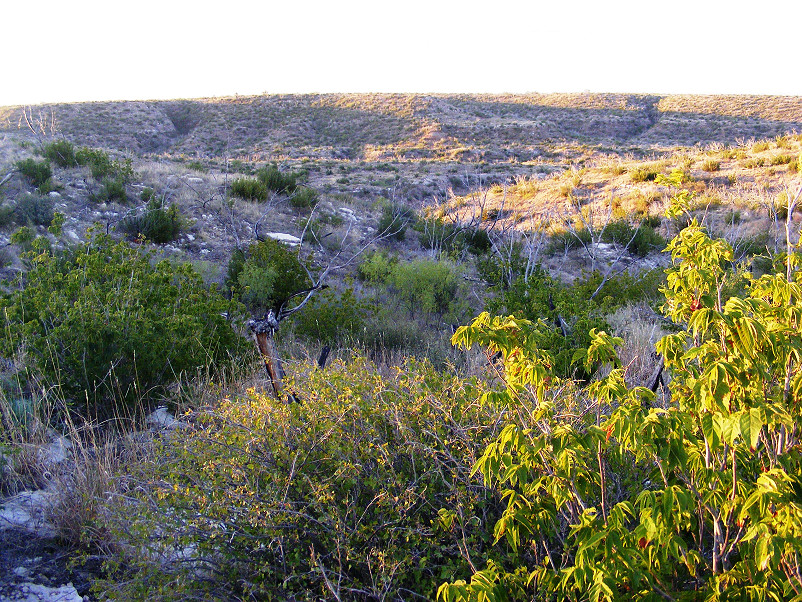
x: 264, y: 331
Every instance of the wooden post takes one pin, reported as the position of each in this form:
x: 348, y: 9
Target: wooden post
x: 264, y: 331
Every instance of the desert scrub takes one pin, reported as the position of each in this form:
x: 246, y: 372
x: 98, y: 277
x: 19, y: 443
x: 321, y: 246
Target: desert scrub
x: 155, y: 223
x: 711, y: 165
x: 337, y: 496
x: 38, y: 173
x: 249, y: 189
x: 107, y: 326
x: 61, y: 152
x: 33, y: 209
x: 266, y: 276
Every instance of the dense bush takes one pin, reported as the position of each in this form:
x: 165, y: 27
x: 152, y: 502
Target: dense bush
x: 640, y: 241
x: 249, y: 189
x: 156, y: 223
x: 337, y: 496
x: 106, y: 325
x: 394, y: 221
x: 61, y: 152
x: 332, y: 317
x: 32, y: 209
x: 696, y: 497
x: 276, y: 181
x: 267, y: 276
x: 304, y: 198
x: 452, y: 238
x: 428, y: 288
x: 103, y: 166
x: 38, y: 173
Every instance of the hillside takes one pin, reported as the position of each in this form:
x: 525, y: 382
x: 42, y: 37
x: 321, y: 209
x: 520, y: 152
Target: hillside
x: 370, y: 227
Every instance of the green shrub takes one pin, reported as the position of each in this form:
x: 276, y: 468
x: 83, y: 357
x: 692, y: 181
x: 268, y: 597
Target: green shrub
x: 276, y: 181
x: 156, y: 223
x: 6, y: 214
x: 641, y: 240
x: 452, y: 238
x: 107, y: 326
x: 394, y: 221
x: 304, y: 198
x: 103, y: 167
x: 427, y: 287
x: 332, y: 317
x: 376, y: 267
x: 336, y: 496
x: 268, y: 276
x: 249, y: 189
x: 33, y: 209
x: 61, y: 152
x: 111, y: 190
x: 38, y: 173
x: 634, y: 494
x: 781, y: 160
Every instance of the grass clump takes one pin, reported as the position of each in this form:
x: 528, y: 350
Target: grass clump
x: 61, y: 153
x: 711, y: 165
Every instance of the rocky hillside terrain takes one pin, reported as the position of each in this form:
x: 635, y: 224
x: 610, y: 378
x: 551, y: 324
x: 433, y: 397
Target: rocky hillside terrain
x: 406, y: 215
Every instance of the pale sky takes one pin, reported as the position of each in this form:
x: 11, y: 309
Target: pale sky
x: 78, y: 50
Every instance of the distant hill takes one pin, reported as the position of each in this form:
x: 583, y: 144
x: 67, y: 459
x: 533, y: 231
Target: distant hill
x: 385, y: 126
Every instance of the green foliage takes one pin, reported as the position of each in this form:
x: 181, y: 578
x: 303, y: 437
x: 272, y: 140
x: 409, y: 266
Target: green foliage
x: 33, y: 209
x: 394, y: 221
x: 337, y: 496
x: 452, y: 238
x: 106, y: 325
x: 641, y: 240
x: 23, y: 237
x: 376, y: 268
x: 717, y: 516
x: 61, y: 152
x: 276, y: 181
x: 38, y: 173
x: 643, y: 174
x: 304, y: 198
x: 427, y: 287
x: 268, y: 276
x: 156, y: 223
x: 249, y: 189
x: 103, y: 167
x: 332, y: 317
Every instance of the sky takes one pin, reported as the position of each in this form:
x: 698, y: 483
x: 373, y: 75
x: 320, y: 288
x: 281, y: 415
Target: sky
x: 83, y: 50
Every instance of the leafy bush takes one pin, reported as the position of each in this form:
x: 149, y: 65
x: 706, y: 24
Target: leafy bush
x: 38, y: 173
x: 6, y: 214
x: 643, y: 174
x: 696, y: 497
x: 61, y: 152
x: 249, y: 189
x: 452, y: 238
x: 427, y: 287
x: 276, y: 181
x: 111, y: 190
x: 33, y: 209
x: 376, y: 267
x: 156, y: 223
x: 394, y: 221
x: 337, y: 496
x: 304, y: 198
x: 641, y: 240
x: 106, y: 325
x: 332, y: 317
x: 103, y: 166
x: 267, y: 276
